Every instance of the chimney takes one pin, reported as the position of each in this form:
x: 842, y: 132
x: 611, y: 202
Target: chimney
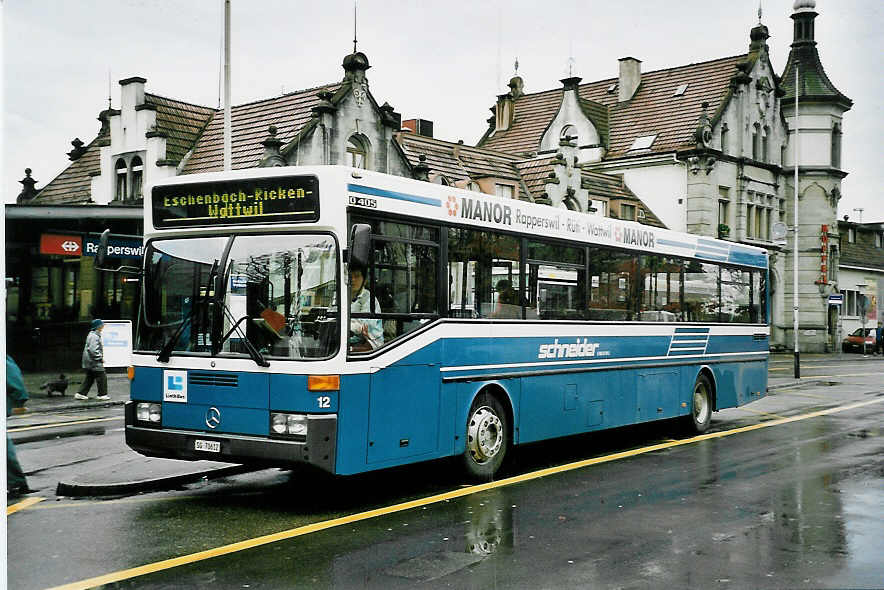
x: 630, y: 78
x: 132, y: 93
x: 419, y: 127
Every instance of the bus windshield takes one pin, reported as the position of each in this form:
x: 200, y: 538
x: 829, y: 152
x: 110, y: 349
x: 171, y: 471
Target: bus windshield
x: 268, y: 295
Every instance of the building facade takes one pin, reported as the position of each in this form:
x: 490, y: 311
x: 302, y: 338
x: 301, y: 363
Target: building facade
x: 710, y: 148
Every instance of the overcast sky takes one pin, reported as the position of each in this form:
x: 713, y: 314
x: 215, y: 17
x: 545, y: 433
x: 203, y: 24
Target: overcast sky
x: 443, y: 61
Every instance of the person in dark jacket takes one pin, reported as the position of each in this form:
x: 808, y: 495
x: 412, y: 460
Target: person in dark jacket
x: 93, y: 364
x: 16, y: 482
x: 879, y: 338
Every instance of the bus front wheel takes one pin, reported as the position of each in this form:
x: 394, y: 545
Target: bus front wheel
x: 488, y: 436
x: 701, y: 406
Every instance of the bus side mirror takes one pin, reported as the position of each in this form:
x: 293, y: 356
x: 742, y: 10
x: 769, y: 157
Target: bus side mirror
x: 360, y: 245
x: 101, y: 258
x: 101, y: 255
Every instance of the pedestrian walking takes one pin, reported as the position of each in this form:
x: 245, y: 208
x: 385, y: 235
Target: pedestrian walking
x: 879, y: 338
x: 93, y: 364
x: 16, y: 482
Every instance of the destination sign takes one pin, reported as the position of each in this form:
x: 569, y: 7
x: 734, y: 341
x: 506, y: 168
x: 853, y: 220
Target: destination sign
x: 253, y: 200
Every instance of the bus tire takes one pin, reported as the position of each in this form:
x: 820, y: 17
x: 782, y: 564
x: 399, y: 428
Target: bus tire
x: 487, y: 438
x: 698, y: 420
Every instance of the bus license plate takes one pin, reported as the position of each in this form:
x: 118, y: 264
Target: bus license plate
x: 207, y: 445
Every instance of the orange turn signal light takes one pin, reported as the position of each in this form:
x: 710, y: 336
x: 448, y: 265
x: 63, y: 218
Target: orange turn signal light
x: 130, y: 373
x: 323, y: 382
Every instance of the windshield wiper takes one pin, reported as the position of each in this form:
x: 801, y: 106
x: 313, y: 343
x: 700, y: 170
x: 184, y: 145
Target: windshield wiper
x: 169, y: 346
x: 253, y: 352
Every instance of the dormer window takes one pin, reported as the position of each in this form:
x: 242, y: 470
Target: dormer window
x: 357, y: 151
x: 122, y: 176
x: 137, y: 170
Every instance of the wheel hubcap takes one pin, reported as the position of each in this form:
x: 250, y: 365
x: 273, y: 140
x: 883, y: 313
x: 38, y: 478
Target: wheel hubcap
x: 485, y: 434
x: 701, y: 404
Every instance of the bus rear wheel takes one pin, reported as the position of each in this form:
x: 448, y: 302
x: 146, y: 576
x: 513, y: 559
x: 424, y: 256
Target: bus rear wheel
x: 488, y: 438
x: 701, y: 406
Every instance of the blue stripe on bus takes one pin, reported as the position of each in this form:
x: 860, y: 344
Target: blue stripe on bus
x: 376, y: 192
x: 664, y: 242
x: 692, y: 330
x: 747, y: 257
x: 715, y: 257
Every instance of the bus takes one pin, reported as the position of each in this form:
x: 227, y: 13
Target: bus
x: 353, y: 321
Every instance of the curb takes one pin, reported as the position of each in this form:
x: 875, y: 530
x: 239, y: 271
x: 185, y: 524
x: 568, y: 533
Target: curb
x: 75, y: 405
x: 75, y: 489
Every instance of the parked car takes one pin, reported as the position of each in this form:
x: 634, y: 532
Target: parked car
x: 854, y: 340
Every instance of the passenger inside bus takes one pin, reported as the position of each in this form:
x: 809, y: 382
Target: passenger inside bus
x: 365, y: 333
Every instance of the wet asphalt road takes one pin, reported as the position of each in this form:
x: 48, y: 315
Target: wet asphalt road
x: 795, y: 505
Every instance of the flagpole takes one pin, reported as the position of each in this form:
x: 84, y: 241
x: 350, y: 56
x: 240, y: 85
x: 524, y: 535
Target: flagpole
x: 228, y: 124
x: 795, y: 254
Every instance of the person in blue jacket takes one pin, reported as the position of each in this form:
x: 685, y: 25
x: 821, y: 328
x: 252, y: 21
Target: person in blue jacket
x: 16, y: 482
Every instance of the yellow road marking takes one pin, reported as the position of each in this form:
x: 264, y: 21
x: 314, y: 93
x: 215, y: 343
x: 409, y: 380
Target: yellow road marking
x: 59, y: 424
x: 450, y: 495
x: 26, y: 503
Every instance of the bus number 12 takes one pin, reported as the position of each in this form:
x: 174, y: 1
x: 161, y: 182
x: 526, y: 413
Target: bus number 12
x: 324, y: 401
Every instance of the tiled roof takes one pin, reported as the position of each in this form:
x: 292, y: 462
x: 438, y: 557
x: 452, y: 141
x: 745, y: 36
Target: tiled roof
x: 863, y: 252
x: 180, y: 122
x: 289, y: 112
x: 457, y: 161
x: 653, y: 110
x: 813, y: 81
x: 535, y: 173
x: 73, y: 185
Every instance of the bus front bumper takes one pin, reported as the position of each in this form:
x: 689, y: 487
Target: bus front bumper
x: 317, y: 450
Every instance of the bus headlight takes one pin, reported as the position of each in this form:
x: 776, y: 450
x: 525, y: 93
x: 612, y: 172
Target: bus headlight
x: 146, y: 412
x: 294, y: 425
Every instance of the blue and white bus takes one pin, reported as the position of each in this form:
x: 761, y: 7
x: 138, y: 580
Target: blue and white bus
x: 354, y: 321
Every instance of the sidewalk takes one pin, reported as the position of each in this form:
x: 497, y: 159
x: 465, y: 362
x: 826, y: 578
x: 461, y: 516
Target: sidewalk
x: 40, y: 401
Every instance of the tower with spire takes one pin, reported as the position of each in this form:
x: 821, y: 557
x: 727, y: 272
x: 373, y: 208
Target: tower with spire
x: 819, y: 123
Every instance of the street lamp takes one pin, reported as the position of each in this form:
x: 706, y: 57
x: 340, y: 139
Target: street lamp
x: 862, y: 309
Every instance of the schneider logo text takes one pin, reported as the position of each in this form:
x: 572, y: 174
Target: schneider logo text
x: 580, y: 349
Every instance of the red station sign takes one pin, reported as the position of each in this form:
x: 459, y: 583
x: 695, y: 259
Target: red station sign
x: 61, y: 244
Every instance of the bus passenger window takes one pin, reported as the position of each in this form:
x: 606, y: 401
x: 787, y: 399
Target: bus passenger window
x: 612, y: 294
x: 661, y: 289
x: 701, y: 291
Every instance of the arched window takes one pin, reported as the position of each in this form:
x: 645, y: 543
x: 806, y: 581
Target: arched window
x: 122, y: 178
x: 357, y: 152
x: 137, y: 177
x: 764, y: 135
x: 756, y: 132
x: 568, y: 131
x: 836, y: 146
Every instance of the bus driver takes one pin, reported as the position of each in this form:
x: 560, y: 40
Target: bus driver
x: 365, y: 334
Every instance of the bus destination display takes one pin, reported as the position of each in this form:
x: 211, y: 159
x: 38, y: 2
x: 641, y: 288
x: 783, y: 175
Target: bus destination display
x: 266, y: 200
